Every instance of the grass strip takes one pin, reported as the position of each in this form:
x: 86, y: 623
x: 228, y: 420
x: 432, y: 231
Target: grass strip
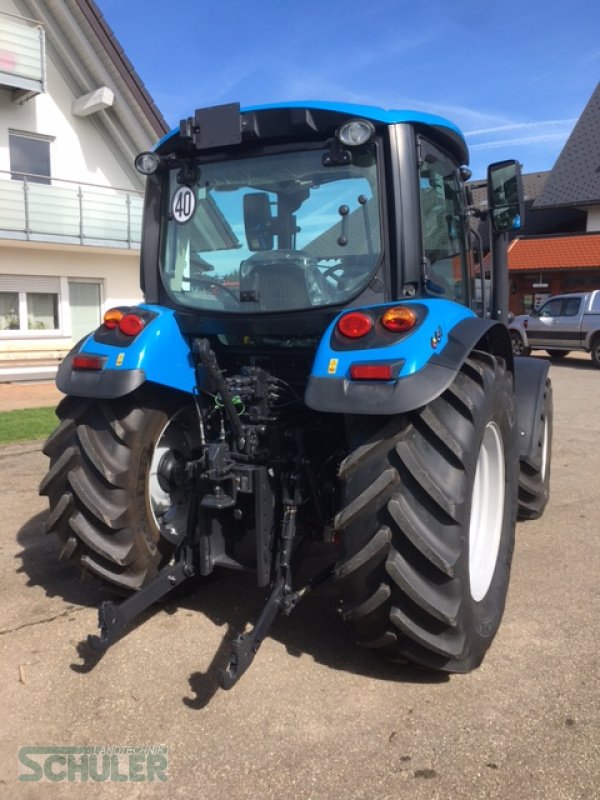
x: 26, y: 424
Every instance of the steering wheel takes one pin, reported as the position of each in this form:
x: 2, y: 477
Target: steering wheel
x: 330, y: 274
x: 213, y: 282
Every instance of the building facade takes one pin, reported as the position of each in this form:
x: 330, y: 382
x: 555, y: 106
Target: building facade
x: 558, y: 248
x: 73, y: 115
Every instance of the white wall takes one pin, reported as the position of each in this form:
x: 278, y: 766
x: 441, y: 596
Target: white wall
x: 593, y: 218
x: 117, y: 272
x: 78, y: 152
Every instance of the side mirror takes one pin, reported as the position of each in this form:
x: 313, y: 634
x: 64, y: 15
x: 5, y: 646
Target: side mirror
x: 505, y: 196
x: 258, y: 221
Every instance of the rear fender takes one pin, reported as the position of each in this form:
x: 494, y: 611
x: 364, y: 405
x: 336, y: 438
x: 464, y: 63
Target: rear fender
x: 425, y: 361
x: 159, y: 354
x: 530, y: 384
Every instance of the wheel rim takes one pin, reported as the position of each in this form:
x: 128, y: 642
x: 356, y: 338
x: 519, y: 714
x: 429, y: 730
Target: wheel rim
x: 545, y: 443
x: 487, y: 512
x: 167, y: 496
x: 517, y: 345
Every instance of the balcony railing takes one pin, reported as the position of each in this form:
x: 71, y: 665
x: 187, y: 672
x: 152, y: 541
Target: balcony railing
x: 68, y: 212
x: 22, y: 55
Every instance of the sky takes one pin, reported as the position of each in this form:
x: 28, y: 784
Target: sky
x: 514, y: 76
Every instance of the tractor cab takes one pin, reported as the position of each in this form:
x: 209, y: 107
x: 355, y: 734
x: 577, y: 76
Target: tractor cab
x: 275, y: 219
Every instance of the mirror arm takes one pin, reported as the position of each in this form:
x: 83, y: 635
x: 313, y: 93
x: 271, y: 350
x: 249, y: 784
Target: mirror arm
x: 499, y: 275
x: 475, y: 233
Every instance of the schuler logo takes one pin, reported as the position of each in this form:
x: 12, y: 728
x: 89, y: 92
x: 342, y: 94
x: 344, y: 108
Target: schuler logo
x: 94, y: 763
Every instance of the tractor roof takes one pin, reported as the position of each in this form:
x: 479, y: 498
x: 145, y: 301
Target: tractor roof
x: 331, y: 114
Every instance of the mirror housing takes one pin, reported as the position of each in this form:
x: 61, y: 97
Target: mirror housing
x: 258, y: 221
x: 505, y: 196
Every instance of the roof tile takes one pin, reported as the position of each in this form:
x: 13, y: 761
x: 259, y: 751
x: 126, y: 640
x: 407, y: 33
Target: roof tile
x: 555, y: 252
x: 575, y: 178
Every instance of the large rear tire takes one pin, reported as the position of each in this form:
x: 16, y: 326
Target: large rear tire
x: 107, y: 495
x: 534, y: 472
x: 427, y: 523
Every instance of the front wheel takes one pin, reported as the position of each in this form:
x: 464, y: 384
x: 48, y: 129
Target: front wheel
x: 534, y: 472
x: 116, y: 497
x: 427, y: 523
x: 518, y: 345
x: 595, y: 351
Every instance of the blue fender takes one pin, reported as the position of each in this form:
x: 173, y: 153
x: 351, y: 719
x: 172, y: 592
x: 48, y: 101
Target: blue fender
x: 425, y: 361
x: 159, y: 354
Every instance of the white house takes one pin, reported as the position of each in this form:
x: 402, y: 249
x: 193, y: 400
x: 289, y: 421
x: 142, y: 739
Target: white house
x: 73, y: 116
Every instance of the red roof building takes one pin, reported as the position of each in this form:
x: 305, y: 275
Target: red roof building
x: 546, y: 265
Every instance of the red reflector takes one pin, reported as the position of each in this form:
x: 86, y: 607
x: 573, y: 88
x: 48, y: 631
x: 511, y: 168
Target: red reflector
x: 355, y: 324
x: 131, y: 324
x: 371, y: 372
x: 88, y: 362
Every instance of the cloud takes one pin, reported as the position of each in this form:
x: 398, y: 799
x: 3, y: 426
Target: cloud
x: 463, y: 116
x: 514, y: 126
x: 519, y: 141
x: 589, y: 56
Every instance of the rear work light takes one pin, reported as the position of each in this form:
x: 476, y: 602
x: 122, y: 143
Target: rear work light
x: 131, y: 325
x: 83, y: 361
x: 399, y: 319
x: 112, y: 318
x: 371, y: 372
x: 355, y: 324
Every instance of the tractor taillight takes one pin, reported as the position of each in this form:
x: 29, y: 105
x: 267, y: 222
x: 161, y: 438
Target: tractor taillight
x: 131, y: 325
x: 371, y: 372
x: 85, y: 361
x: 399, y: 319
x: 112, y: 318
x: 355, y: 324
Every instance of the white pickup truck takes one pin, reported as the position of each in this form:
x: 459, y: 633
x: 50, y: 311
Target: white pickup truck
x: 563, y: 323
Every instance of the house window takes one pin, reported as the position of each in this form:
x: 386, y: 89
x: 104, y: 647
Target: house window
x: 29, y: 305
x: 84, y: 302
x: 29, y: 157
x: 9, y: 311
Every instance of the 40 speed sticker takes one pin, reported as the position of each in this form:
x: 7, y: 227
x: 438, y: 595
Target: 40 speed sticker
x: 183, y: 204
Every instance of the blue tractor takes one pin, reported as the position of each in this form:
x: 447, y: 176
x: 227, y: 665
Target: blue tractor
x: 318, y: 358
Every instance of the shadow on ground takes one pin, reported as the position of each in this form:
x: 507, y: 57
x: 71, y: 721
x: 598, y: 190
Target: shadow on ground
x: 565, y: 362
x: 231, y: 601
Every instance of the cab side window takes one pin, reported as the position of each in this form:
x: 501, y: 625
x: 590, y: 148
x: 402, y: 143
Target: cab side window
x: 571, y: 308
x: 443, y: 226
x: 552, y: 308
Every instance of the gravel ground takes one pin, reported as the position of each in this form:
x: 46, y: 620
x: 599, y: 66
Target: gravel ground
x: 315, y: 718
x: 28, y: 395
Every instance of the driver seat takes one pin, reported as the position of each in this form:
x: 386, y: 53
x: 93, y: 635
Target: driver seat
x: 278, y: 287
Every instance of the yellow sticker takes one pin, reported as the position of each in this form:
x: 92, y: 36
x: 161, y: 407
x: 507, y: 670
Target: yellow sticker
x: 333, y: 365
x: 120, y: 359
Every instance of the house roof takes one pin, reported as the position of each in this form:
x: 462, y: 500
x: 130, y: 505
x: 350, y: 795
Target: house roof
x: 537, y: 221
x: 580, y: 251
x: 109, y: 41
x: 575, y: 179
